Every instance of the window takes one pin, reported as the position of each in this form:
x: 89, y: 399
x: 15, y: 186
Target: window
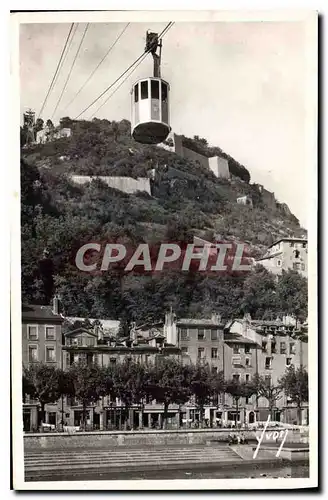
x: 184, y: 350
x: 297, y: 254
x: 112, y: 361
x: 247, y: 398
x: 267, y: 379
x: 32, y: 332
x: 32, y: 353
x: 264, y: 346
x: 50, y: 354
x: 292, y: 348
x: 247, y: 349
x: 214, y: 353
x: 273, y: 347
x: 144, y: 90
x: 288, y: 361
x: 296, y: 266
x: 282, y: 347
x: 236, y: 349
x: 90, y: 341
x: 214, y: 370
x: 303, y: 267
x: 154, y: 89
x: 236, y: 377
x: 201, y: 352
x: 50, y: 333
x: 136, y: 93
x: 214, y: 334
x: 247, y: 362
x: 304, y: 245
x: 236, y: 361
x: 279, y: 263
x: 164, y: 92
x: 184, y: 333
x: 201, y: 334
x: 267, y: 363
x: 247, y: 377
x: 291, y: 243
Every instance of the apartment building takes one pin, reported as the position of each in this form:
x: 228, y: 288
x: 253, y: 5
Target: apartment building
x: 286, y: 253
x: 41, y: 343
x: 266, y: 348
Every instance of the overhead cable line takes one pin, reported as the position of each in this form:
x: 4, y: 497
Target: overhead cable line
x: 57, y: 70
x: 120, y: 85
x: 99, y: 64
x: 170, y: 24
x: 70, y: 72
x: 128, y: 76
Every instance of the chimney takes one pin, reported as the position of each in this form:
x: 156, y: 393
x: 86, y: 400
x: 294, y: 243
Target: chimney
x: 216, y: 318
x: 56, y: 304
x: 133, y: 332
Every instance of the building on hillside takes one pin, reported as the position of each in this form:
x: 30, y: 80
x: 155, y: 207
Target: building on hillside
x: 286, y: 253
x: 267, y: 197
x: 217, y: 164
x: 265, y: 348
x: 41, y: 343
x: 245, y: 200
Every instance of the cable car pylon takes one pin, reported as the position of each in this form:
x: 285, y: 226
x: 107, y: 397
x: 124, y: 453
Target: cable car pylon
x: 150, y: 100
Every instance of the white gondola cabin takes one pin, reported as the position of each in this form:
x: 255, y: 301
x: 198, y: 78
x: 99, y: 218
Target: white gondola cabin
x: 150, y: 123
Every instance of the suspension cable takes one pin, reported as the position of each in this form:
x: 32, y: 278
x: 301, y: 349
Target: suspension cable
x: 144, y: 55
x: 128, y: 69
x: 98, y: 66
x: 70, y: 72
x: 57, y: 70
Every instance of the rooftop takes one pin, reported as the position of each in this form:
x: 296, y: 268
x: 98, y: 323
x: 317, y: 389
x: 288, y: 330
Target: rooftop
x: 40, y: 313
x: 303, y: 240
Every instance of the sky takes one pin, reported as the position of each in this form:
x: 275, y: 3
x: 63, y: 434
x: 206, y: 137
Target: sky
x: 241, y: 85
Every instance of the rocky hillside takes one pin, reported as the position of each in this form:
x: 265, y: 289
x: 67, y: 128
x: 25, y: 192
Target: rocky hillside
x: 186, y: 200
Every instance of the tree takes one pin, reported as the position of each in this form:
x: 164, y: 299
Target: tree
x: 130, y: 380
x: 86, y: 385
x: 49, y: 124
x: 260, y: 293
x: 202, y: 386
x: 43, y: 383
x: 38, y: 125
x: 169, y: 383
x: 264, y: 389
x: 292, y: 292
x: 239, y: 390
x: 295, y: 384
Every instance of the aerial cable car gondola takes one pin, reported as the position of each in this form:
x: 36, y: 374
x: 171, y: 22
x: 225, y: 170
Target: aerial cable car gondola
x: 150, y: 101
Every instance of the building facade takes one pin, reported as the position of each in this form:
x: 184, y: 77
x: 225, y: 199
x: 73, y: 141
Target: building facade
x: 285, y: 254
x: 41, y: 343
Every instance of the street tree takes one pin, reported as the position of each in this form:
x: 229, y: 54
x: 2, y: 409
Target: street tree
x: 265, y: 389
x: 42, y: 383
x: 85, y: 383
x: 169, y: 383
x: 239, y: 390
x: 295, y: 384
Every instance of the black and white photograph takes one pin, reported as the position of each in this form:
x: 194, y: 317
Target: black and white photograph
x: 164, y: 309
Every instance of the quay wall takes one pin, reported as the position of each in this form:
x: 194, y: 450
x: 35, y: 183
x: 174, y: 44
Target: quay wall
x: 104, y: 439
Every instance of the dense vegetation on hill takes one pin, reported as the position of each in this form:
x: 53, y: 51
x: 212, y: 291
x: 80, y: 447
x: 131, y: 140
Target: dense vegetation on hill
x: 187, y: 200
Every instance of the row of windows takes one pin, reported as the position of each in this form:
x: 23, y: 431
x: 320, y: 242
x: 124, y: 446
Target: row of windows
x: 237, y: 349
x: 201, y: 333
x: 268, y: 362
x: 33, y: 332
x: 153, y: 91
x: 33, y: 353
x: 283, y: 347
x: 201, y: 352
